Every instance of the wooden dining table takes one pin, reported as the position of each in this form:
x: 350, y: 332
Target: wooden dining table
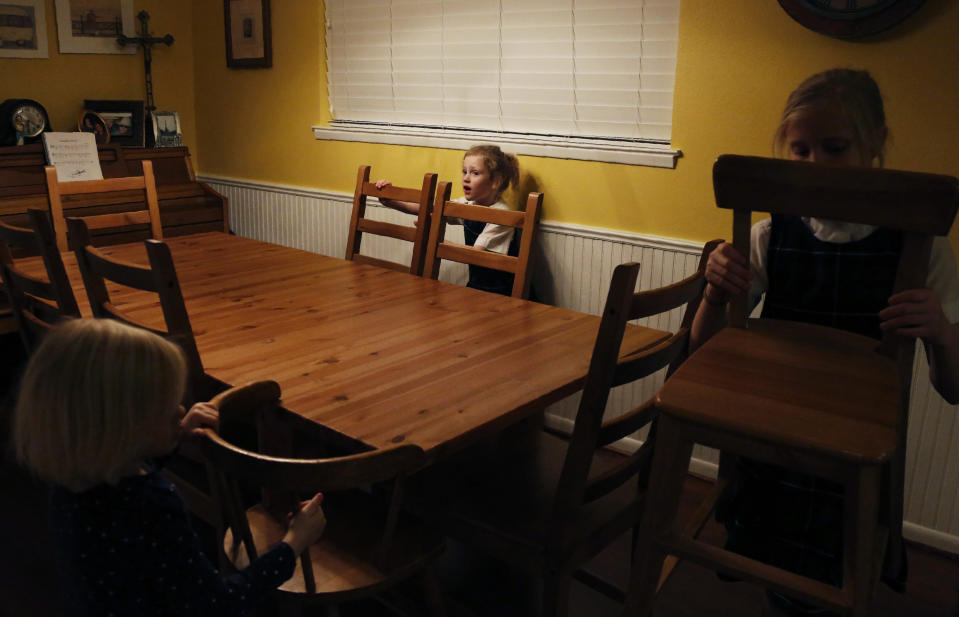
x: 377, y: 356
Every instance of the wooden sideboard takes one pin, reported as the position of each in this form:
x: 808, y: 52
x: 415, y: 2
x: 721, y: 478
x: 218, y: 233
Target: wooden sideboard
x: 186, y: 206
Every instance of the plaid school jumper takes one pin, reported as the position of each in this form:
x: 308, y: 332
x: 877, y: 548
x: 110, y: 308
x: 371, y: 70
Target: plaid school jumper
x: 488, y: 279
x: 785, y: 518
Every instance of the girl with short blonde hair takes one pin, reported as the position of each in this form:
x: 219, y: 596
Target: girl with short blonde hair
x: 98, y: 403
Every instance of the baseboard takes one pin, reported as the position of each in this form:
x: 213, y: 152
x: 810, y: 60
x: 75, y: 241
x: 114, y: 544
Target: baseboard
x: 708, y: 470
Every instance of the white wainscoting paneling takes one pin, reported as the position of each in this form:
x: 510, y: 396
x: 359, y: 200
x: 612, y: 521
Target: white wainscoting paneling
x: 573, y: 268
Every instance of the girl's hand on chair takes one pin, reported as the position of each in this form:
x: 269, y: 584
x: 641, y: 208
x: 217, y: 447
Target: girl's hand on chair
x: 727, y: 274
x: 307, y: 525
x: 200, y: 416
x: 918, y: 313
x: 382, y: 184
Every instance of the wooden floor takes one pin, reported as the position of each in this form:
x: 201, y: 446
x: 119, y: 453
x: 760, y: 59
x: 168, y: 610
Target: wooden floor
x: 474, y: 587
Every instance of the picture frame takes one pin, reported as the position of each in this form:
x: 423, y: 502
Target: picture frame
x: 166, y: 129
x: 124, y: 120
x: 249, y: 42
x: 92, y: 26
x: 92, y: 122
x: 24, y: 30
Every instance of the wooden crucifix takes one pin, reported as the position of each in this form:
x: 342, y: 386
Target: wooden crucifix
x: 146, y: 42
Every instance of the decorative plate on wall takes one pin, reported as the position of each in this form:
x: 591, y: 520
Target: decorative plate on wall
x: 848, y: 19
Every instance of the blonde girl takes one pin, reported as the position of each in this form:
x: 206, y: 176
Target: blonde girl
x: 835, y: 274
x: 98, y: 403
x: 487, y: 173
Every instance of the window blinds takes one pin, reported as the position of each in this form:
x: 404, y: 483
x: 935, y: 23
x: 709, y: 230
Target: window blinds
x: 585, y: 68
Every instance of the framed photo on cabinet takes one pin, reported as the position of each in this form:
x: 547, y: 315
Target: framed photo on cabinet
x: 249, y: 42
x: 166, y: 129
x: 23, y: 29
x: 124, y: 120
x: 92, y: 26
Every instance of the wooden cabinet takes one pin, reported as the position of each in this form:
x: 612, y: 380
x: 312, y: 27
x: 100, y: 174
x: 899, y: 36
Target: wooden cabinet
x: 186, y: 206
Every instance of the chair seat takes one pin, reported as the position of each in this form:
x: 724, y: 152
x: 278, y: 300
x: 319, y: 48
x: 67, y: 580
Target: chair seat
x: 344, y: 560
x: 799, y: 385
x: 504, y: 505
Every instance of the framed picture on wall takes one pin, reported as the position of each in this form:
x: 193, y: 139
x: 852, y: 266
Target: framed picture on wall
x: 249, y: 43
x: 92, y: 26
x: 23, y: 29
x: 123, y: 120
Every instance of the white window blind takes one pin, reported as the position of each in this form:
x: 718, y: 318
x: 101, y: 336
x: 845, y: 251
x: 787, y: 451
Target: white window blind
x: 595, y: 69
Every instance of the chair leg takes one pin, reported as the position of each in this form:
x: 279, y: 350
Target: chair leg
x: 433, y: 594
x: 331, y: 610
x: 286, y: 607
x: 556, y: 593
x: 670, y: 465
x: 860, y: 550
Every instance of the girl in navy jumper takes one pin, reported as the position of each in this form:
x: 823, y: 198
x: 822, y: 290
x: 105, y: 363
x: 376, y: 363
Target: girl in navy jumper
x: 835, y: 274
x: 487, y: 173
x: 99, y: 401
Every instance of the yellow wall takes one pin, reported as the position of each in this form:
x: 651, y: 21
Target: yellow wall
x: 61, y: 82
x: 738, y: 60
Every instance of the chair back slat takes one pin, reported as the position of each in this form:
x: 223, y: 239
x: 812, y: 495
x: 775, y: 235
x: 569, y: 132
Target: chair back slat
x: 470, y: 212
x: 390, y: 230
x: 123, y: 273
x: 380, y: 263
x: 873, y: 196
x: 117, y: 219
x: 648, y: 361
x: 331, y: 474
x: 99, y: 193
x: 525, y: 224
x: 399, y: 193
x: 359, y: 224
x: 27, y: 283
x: 464, y: 254
x: 613, y: 478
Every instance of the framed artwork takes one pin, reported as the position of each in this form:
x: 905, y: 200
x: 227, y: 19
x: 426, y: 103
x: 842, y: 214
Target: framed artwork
x: 166, y: 129
x: 123, y: 120
x: 23, y: 29
x: 249, y: 43
x: 92, y: 26
x: 92, y: 122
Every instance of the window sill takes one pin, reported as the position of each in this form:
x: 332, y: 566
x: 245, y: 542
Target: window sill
x: 533, y: 145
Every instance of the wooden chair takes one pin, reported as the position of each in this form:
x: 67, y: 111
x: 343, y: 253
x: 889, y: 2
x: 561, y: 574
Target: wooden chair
x: 160, y: 278
x: 525, y: 223
x: 37, y: 304
x: 806, y: 397
x: 107, y: 194
x: 549, y: 504
x: 369, y: 544
x: 359, y: 224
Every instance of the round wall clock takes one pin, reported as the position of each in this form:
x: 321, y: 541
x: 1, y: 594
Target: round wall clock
x: 849, y: 18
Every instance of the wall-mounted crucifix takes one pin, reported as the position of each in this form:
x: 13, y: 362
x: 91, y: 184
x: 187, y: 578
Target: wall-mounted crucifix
x: 146, y: 42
